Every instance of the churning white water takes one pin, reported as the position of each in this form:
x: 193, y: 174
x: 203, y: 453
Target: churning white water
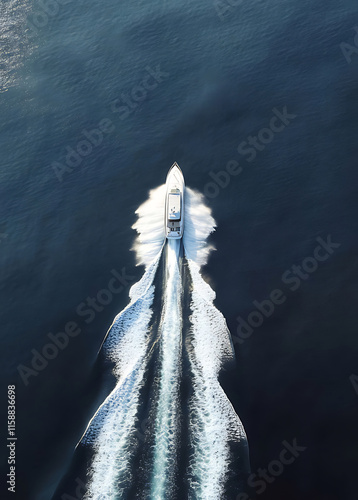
x: 212, y: 419
x: 111, y: 432
x: 199, y: 223
x: 150, y: 227
x: 167, y: 419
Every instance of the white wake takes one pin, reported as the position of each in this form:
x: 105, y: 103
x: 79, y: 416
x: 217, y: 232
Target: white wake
x: 213, y: 423
x: 113, y: 428
x: 150, y: 227
x: 198, y: 225
x: 167, y: 411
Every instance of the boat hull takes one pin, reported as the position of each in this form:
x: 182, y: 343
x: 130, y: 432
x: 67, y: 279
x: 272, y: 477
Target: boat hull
x: 174, y: 203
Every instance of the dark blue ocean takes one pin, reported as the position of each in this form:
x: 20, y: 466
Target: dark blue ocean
x: 258, y: 103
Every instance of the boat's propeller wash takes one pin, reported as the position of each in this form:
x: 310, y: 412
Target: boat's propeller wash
x: 167, y: 430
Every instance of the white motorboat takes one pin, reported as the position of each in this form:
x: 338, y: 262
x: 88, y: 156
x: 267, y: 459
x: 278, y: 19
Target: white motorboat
x: 174, y: 203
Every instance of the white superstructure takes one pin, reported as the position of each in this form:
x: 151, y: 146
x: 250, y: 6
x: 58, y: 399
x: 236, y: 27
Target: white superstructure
x: 174, y: 203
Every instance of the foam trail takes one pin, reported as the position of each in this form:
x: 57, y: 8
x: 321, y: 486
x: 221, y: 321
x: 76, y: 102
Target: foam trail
x: 199, y: 223
x: 167, y: 419
x: 150, y: 226
x: 213, y: 421
x: 112, y: 429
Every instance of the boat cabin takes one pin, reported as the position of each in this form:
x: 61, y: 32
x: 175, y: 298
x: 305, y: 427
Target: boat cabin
x: 174, y: 207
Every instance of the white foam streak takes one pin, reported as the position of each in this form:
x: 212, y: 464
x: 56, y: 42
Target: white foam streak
x: 166, y: 425
x: 198, y: 224
x: 112, y: 429
x: 150, y: 227
x: 213, y: 421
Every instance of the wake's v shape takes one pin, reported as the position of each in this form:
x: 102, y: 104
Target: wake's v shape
x: 212, y: 424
